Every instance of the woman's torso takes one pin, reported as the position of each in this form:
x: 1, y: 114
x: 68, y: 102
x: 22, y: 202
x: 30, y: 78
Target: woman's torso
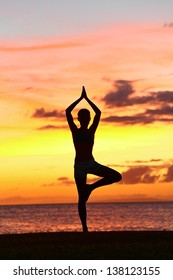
x: 83, y: 140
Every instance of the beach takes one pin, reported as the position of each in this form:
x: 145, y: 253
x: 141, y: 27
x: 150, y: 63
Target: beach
x: 121, y: 245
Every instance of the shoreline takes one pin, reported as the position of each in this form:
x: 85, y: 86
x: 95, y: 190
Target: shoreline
x: 119, y: 245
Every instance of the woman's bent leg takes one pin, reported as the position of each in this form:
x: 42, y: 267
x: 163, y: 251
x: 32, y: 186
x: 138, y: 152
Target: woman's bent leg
x: 109, y: 176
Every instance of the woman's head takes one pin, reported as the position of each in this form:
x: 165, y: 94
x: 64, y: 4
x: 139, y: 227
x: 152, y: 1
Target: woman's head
x: 84, y: 117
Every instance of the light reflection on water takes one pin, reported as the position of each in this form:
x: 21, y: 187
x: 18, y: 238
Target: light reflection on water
x: 101, y: 217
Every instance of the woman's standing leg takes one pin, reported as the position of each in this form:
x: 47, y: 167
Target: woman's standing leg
x: 83, y: 193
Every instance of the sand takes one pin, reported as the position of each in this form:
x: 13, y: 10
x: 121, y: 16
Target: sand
x: 127, y: 245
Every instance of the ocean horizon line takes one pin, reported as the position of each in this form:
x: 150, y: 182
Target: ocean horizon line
x: 97, y: 202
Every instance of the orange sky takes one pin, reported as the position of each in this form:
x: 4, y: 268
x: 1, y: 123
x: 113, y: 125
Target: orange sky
x: 127, y: 71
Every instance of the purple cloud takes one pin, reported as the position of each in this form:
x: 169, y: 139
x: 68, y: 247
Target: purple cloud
x: 42, y: 113
x: 50, y: 127
x: 139, y: 174
x: 169, y: 175
x: 130, y: 120
x: 119, y: 96
x: 123, y: 95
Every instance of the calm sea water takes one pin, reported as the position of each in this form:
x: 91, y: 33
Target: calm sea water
x: 101, y: 217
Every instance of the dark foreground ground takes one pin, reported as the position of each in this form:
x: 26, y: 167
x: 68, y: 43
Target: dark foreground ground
x: 88, y: 246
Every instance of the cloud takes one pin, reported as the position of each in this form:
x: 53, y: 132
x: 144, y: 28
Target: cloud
x: 42, y: 47
x: 169, y: 175
x: 139, y: 174
x: 170, y: 24
x: 124, y: 95
x: 164, y: 110
x: 52, y: 127
x: 60, y: 181
x: 156, y: 164
x: 54, y: 114
x: 148, y: 172
x: 129, y: 120
x: 163, y: 96
x: 119, y: 96
x: 42, y: 113
x: 49, y: 185
x: 149, y: 116
x: 65, y: 180
x: 146, y: 161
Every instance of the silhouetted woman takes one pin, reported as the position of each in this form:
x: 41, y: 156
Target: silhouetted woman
x: 83, y: 139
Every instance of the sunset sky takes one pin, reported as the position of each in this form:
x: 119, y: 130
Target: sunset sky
x: 122, y: 52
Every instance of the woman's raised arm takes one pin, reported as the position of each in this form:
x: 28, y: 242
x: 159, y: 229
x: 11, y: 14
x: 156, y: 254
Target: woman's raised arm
x: 95, y: 108
x: 69, y: 115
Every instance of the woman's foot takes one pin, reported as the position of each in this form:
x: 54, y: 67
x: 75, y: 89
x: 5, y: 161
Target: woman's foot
x: 85, y: 229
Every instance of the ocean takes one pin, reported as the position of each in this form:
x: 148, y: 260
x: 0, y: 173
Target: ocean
x: 157, y: 216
